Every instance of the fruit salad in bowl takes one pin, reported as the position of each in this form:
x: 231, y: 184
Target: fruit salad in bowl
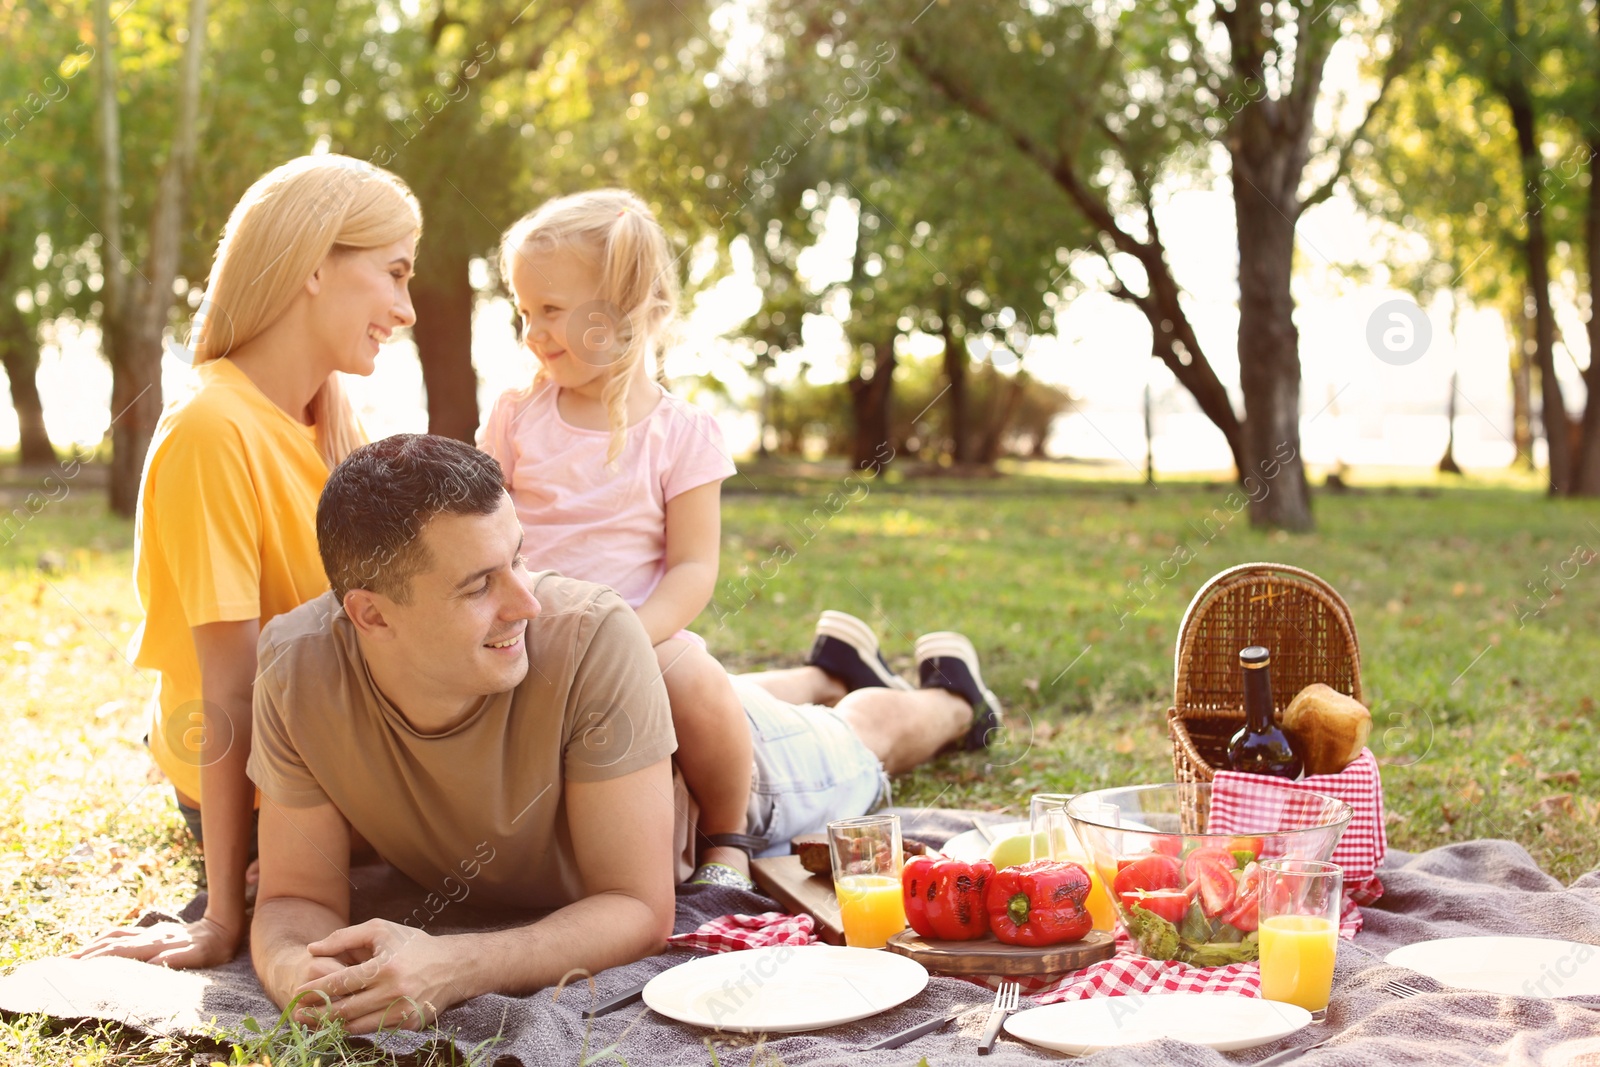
x: 1186, y: 893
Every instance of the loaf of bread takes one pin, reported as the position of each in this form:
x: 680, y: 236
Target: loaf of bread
x: 813, y: 852
x: 1327, y: 728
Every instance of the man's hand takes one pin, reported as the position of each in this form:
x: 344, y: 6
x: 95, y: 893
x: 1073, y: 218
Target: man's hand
x: 399, y: 978
x: 179, y: 945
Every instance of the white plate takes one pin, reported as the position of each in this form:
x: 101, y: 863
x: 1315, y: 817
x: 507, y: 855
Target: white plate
x: 972, y: 845
x: 1510, y: 966
x: 785, y: 989
x: 1222, y: 1021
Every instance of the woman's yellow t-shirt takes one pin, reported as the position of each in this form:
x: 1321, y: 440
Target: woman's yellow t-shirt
x: 226, y: 531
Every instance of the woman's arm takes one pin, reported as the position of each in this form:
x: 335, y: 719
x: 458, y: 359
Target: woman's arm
x: 694, y: 539
x: 227, y: 653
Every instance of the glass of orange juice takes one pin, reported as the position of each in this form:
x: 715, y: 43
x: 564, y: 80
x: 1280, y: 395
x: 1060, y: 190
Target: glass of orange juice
x: 1053, y: 830
x: 866, y: 878
x: 1299, y: 930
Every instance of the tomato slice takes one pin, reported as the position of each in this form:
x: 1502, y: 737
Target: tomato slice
x: 1169, y: 904
x: 1216, y: 886
x: 1245, y: 915
x: 1210, y: 853
x: 1149, y: 872
x: 1168, y: 846
x: 1246, y: 844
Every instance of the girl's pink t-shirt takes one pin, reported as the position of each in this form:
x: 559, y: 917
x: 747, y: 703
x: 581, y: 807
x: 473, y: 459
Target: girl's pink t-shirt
x: 586, y: 521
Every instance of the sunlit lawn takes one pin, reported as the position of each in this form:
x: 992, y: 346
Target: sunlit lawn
x: 1493, y: 730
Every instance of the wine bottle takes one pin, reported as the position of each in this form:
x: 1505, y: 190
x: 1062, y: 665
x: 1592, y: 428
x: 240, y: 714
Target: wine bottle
x: 1261, y: 747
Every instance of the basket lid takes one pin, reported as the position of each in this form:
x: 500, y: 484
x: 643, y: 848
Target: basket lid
x: 1298, y: 616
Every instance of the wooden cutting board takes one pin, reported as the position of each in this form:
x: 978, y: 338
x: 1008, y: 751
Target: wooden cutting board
x: 798, y: 890
x: 989, y: 956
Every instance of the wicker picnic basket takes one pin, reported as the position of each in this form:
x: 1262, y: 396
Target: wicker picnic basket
x: 1295, y: 614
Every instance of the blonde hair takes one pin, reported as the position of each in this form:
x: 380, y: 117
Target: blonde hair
x: 614, y: 231
x: 279, y: 232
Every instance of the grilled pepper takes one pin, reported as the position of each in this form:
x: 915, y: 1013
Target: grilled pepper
x: 1039, y: 903
x: 944, y: 898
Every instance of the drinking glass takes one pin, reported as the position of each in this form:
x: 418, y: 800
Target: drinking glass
x: 1299, y: 930
x: 866, y: 878
x: 1063, y: 844
x: 1045, y: 841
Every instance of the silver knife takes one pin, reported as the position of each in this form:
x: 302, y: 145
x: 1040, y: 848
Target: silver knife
x: 938, y: 1022
x: 1291, y: 1053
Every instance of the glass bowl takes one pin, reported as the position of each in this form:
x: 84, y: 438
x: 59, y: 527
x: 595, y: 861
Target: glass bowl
x: 1187, y: 893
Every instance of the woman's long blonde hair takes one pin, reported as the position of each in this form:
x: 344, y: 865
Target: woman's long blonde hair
x: 615, y: 232
x: 280, y: 231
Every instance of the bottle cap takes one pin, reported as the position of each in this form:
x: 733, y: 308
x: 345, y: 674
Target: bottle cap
x: 1254, y: 657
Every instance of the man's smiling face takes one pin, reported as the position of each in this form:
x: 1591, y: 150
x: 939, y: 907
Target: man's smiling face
x: 464, y: 626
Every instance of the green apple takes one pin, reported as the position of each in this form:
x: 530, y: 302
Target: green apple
x: 1018, y: 849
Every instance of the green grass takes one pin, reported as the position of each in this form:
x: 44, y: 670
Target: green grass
x: 1499, y: 728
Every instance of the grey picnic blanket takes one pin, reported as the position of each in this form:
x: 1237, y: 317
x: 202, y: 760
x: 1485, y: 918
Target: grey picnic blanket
x: 1477, y: 887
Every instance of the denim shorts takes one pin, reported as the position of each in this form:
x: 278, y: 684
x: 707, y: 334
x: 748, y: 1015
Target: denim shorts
x: 810, y: 768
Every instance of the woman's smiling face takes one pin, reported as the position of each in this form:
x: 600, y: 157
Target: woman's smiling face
x: 362, y: 296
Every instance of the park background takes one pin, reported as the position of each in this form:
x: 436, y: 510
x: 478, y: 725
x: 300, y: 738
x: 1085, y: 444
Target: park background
x: 1084, y: 267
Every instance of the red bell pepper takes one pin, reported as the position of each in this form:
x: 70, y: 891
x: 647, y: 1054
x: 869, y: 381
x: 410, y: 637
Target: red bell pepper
x: 944, y: 898
x: 1039, y: 903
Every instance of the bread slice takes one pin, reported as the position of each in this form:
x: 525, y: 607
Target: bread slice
x: 1328, y: 729
x: 813, y: 852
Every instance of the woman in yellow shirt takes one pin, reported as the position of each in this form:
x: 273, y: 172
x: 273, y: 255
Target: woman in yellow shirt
x: 310, y: 278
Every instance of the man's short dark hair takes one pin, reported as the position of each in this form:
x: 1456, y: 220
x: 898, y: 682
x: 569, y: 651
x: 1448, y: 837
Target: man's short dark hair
x: 376, y: 503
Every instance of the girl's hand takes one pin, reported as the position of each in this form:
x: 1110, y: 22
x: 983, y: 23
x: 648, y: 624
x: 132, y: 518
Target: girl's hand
x: 205, y: 943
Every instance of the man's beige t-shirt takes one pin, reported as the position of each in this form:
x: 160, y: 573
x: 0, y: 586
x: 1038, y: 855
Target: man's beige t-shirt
x: 479, y: 809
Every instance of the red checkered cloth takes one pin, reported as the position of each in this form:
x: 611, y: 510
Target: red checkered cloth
x: 1243, y: 803
x: 1125, y: 973
x: 749, y: 931
x: 1128, y: 973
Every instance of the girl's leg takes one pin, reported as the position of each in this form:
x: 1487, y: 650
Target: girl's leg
x: 714, y: 746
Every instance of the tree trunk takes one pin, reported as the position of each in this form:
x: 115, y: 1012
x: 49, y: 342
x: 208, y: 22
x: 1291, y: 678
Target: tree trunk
x: 1007, y: 403
x: 955, y: 372
x: 1269, y: 346
x: 1149, y: 439
x: 442, y: 297
x: 1522, y: 388
x: 19, y: 354
x: 1174, y: 343
x: 1447, y: 462
x: 1586, y: 479
x: 1552, y: 409
x: 135, y: 311
x: 870, y: 404
x: 136, y: 408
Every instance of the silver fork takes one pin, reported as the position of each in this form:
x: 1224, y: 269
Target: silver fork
x: 1006, y: 1000
x: 1396, y: 988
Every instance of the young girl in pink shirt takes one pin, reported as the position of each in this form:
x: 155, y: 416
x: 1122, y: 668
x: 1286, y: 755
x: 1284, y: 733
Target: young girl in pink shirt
x: 616, y: 480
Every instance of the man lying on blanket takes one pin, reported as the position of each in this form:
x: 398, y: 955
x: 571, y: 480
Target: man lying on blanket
x: 505, y: 736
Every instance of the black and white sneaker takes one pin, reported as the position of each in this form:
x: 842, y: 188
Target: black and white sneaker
x: 947, y: 660
x: 847, y: 648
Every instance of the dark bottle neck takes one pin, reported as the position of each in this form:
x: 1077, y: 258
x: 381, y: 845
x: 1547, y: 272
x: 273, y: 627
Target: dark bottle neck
x: 1258, y: 699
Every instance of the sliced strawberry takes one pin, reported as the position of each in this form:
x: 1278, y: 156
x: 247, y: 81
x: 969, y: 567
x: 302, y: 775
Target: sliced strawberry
x: 1149, y: 872
x: 1210, y: 853
x: 1217, y: 888
x: 1169, y: 904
